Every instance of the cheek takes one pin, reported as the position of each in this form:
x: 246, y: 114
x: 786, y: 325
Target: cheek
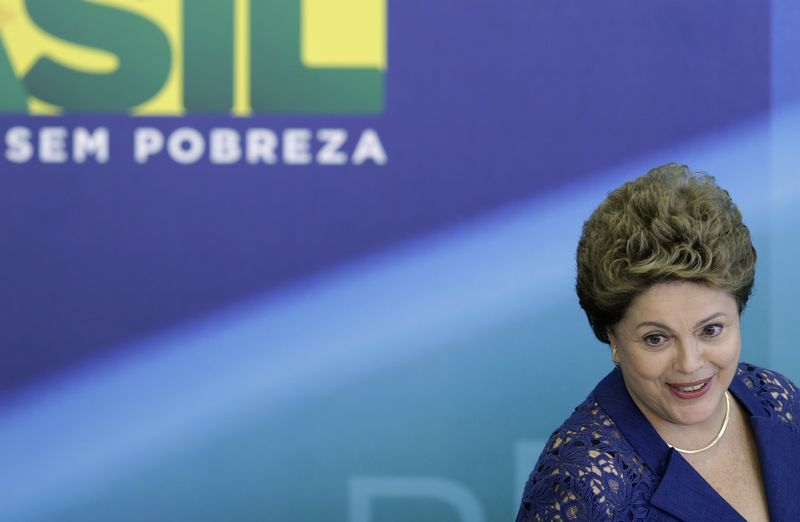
x: 729, y: 354
x: 725, y: 356
x: 649, y: 366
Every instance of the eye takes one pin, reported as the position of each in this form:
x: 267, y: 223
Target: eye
x: 655, y: 340
x: 712, y: 330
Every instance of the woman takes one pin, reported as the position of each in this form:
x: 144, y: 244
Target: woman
x: 679, y: 430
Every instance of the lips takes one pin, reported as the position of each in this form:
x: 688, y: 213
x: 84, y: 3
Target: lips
x: 690, y: 390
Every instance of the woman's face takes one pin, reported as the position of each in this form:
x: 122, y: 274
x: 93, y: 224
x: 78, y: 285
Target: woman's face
x: 678, y: 347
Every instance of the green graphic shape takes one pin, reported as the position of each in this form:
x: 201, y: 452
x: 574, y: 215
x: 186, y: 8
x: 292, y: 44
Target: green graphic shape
x: 208, y: 77
x: 281, y: 83
x: 12, y: 92
x: 142, y: 49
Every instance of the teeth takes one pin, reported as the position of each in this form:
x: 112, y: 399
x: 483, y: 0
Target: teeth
x: 688, y: 389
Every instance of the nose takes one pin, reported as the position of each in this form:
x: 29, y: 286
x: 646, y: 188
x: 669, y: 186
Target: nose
x: 689, y: 356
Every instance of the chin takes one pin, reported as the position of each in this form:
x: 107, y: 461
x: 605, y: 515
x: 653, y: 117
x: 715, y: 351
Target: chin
x: 699, y: 411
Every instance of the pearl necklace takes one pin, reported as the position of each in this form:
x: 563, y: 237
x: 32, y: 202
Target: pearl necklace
x: 719, y: 435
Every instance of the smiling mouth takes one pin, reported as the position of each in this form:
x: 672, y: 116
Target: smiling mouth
x: 690, y: 389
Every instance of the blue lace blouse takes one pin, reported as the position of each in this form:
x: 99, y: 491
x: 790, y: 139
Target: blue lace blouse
x: 606, y: 462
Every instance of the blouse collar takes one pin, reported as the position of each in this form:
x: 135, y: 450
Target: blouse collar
x: 613, y: 397
x: 682, y: 491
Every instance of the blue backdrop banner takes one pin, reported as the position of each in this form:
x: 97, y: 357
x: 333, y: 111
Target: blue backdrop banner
x: 312, y: 259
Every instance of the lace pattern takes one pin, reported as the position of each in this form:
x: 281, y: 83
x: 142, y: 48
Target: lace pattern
x: 777, y: 394
x: 589, y: 471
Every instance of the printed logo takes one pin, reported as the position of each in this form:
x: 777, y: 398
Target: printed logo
x: 172, y: 57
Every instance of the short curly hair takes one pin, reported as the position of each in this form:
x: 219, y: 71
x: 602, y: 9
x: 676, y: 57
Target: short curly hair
x: 669, y: 225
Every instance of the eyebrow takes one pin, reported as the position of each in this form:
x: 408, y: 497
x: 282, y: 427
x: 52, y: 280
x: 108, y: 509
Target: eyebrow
x: 661, y: 325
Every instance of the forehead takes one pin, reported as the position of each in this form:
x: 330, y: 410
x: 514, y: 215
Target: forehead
x: 680, y: 301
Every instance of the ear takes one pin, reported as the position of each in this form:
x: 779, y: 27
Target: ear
x: 613, y: 345
x: 612, y: 339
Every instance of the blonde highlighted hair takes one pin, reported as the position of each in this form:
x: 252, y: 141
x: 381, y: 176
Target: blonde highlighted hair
x: 669, y: 225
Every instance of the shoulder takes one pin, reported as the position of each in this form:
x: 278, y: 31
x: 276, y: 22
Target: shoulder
x: 587, y: 471
x: 778, y: 395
